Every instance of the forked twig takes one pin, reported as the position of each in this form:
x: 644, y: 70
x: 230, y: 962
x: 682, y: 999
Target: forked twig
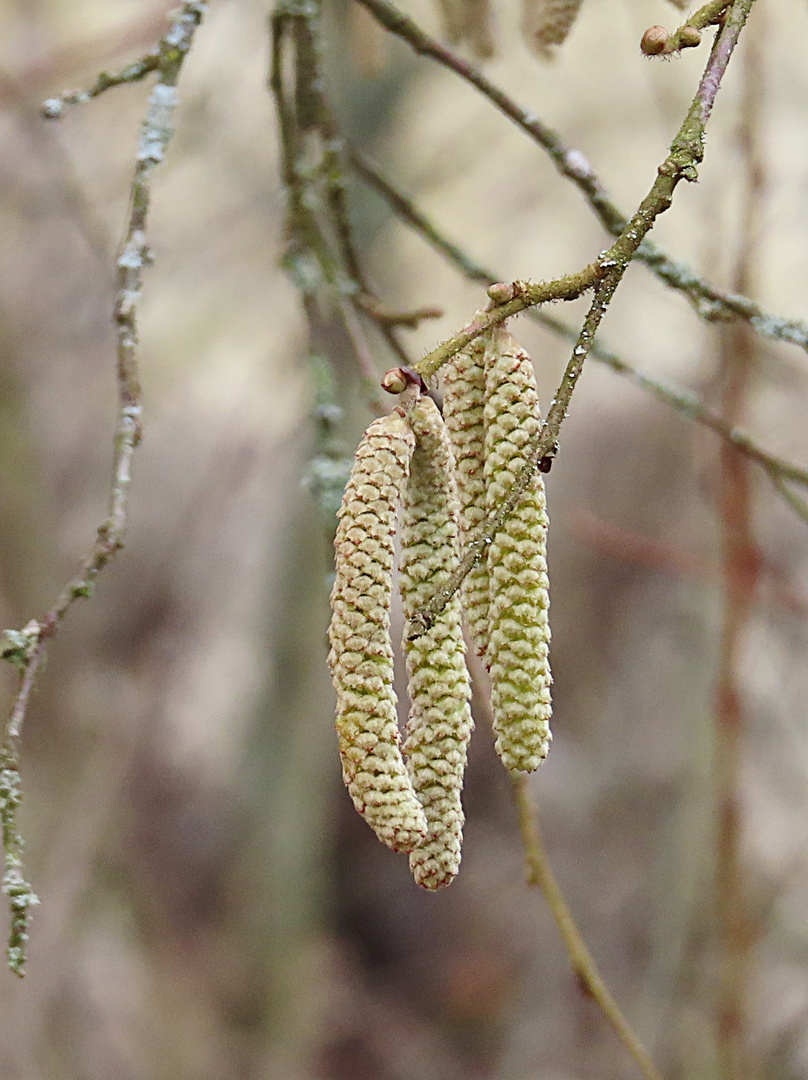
x: 708, y: 300
x: 779, y: 471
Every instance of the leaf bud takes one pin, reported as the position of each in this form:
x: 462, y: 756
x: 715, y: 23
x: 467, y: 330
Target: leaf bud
x: 654, y: 41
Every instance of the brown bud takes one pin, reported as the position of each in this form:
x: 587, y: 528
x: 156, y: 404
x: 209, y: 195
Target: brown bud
x: 654, y: 41
x: 500, y: 292
x: 395, y: 381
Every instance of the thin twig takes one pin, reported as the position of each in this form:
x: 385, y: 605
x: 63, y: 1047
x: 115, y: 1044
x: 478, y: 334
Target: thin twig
x: 709, y: 301
x: 53, y: 108
x: 539, y: 873
x: 683, y: 401
x: 26, y: 648
x: 742, y: 568
x: 687, y: 150
x: 321, y: 252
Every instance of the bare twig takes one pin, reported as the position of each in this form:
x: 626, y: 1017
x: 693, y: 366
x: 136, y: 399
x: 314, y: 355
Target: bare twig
x: 539, y: 873
x: 26, y: 648
x: 320, y: 248
x: 709, y: 301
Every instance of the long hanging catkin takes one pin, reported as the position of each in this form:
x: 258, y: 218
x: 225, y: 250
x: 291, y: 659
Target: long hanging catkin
x: 519, y: 629
x: 440, y: 722
x: 361, y: 656
x: 463, y: 404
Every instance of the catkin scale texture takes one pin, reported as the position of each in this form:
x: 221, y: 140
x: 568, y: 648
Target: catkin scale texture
x: 463, y: 409
x: 519, y: 629
x: 547, y: 23
x: 440, y: 722
x: 361, y: 655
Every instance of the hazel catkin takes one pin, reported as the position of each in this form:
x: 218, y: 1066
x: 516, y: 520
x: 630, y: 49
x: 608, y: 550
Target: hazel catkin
x: 361, y: 655
x: 440, y: 722
x: 519, y: 629
x: 546, y: 23
x: 463, y: 407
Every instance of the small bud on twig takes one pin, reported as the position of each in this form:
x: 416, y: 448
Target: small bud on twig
x: 654, y: 41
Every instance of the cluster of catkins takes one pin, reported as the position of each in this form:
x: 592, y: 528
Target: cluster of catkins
x: 440, y: 477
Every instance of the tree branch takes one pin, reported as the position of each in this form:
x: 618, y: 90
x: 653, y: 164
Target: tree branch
x: 708, y: 300
x: 686, y: 153
x: 26, y: 648
x: 683, y: 401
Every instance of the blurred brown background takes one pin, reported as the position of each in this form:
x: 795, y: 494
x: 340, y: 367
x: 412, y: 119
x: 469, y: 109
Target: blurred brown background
x: 212, y: 907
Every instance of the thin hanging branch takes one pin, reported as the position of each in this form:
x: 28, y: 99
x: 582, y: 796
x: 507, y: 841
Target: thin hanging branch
x: 539, y: 873
x: 709, y: 301
x: 26, y: 648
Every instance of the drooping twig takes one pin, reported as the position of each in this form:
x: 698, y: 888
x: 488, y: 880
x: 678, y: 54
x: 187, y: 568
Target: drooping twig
x: 538, y: 872
x: 683, y: 401
x: 709, y: 301
x: 686, y: 153
x: 26, y: 648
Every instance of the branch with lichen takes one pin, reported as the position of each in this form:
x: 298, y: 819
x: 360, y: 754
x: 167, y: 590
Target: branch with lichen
x: 709, y: 301
x: 321, y: 255
x: 26, y: 648
x: 686, y: 153
x: 779, y: 471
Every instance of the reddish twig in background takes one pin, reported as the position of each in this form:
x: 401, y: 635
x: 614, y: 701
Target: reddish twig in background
x: 663, y: 557
x: 742, y: 569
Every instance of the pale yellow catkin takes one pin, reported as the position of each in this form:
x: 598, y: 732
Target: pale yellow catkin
x: 463, y: 404
x: 546, y: 23
x: 361, y: 656
x: 519, y: 629
x: 440, y: 722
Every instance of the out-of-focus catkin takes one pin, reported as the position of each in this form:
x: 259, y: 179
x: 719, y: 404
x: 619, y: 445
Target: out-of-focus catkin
x: 463, y: 405
x: 361, y: 656
x: 547, y: 23
x: 519, y: 629
x: 440, y: 723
